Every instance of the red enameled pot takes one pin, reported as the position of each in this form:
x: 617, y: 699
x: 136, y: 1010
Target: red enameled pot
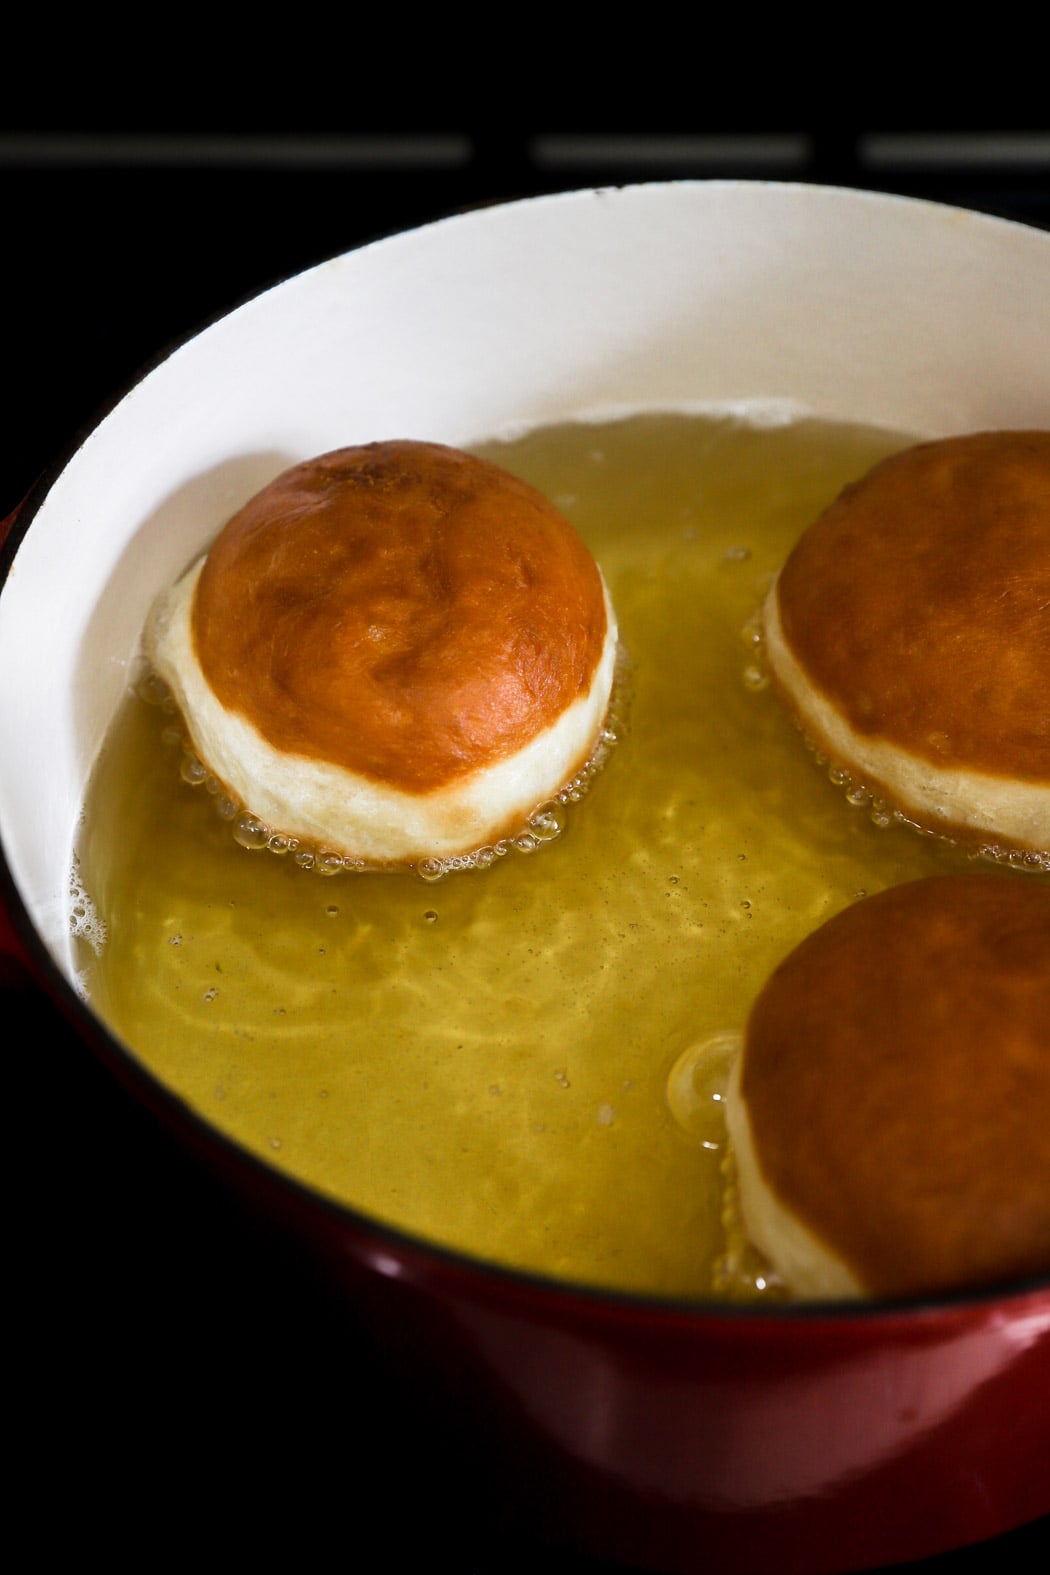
x: 668, y: 1437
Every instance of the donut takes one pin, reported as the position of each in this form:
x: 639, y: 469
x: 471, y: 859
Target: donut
x: 394, y: 652
x: 889, y: 1109
x: 909, y: 634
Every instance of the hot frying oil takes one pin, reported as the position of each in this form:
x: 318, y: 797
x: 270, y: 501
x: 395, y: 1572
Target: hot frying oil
x: 511, y: 1062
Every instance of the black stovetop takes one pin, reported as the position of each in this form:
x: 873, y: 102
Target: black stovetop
x: 119, y: 244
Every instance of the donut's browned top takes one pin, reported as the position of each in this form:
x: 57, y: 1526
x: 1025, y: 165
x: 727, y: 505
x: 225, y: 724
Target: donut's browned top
x: 919, y: 603
x: 897, y: 1082
x: 400, y: 609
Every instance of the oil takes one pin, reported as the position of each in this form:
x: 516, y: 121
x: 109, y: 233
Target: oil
x: 499, y: 1061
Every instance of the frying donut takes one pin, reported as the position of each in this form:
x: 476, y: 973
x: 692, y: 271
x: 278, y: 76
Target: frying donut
x: 909, y: 633
x: 394, y: 652
x: 890, y: 1105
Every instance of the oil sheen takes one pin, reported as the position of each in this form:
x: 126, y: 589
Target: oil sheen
x: 511, y: 1062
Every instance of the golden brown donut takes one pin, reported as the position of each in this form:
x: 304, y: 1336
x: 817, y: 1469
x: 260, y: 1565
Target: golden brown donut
x: 890, y: 1108
x: 395, y: 651
x: 909, y: 632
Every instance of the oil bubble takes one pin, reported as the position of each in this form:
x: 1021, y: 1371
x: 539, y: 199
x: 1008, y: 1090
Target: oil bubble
x: 152, y: 688
x: 192, y: 771
x: 329, y: 864
x: 696, y: 1088
x: 84, y: 920
x: 751, y: 631
x: 741, y: 1272
x: 548, y: 822
x: 250, y: 833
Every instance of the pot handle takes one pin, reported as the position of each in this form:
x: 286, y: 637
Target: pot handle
x: 14, y: 963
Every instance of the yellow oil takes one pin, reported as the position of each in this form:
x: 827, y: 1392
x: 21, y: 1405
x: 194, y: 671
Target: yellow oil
x: 502, y: 1062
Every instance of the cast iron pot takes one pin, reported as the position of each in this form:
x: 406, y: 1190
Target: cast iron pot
x: 671, y: 1437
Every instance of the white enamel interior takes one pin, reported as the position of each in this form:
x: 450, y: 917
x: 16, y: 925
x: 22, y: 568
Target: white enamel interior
x: 845, y: 304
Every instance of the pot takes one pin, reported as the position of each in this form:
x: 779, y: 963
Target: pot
x: 672, y: 1437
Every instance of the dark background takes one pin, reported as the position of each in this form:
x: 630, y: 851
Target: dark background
x: 191, y: 1380
x: 131, y: 219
